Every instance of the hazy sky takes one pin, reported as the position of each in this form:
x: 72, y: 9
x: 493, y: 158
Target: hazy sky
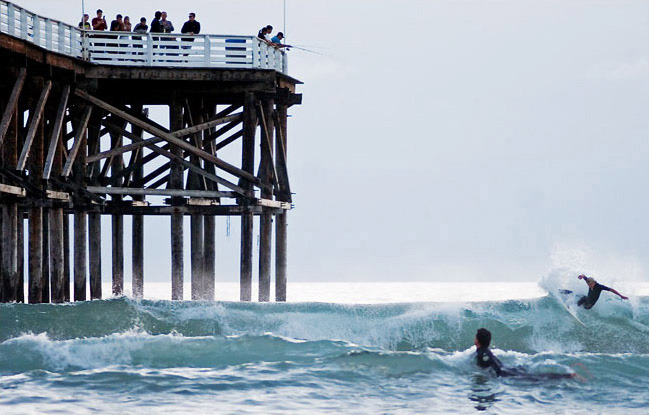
x: 447, y: 140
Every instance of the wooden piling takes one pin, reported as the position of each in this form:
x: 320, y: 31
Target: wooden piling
x: 80, y: 247
x: 248, y: 165
x: 137, y: 241
x: 56, y: 255
x: 281, y: 225
x: 66, y: 257
x: 20, y: 257
x: 197, y: 238
x: 118, y: 254
x: 45, y: 297
x: 116, y: 167
x: 10, y: 252
x: 35, y: 248
x: 10, y: 249
x: 94, y: 255
x: 176, y: 182
x: 209, y: 257
x: 94, y: 218
x: 266, y: 219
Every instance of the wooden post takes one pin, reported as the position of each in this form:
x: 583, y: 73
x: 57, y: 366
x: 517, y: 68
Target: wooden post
x: 137, y: 258
x: 266, y: 219
x: 35, y: 264
x: 198, y: 289
x: 247, y: 164
x: 10, y: 249
x: 176, y: 182
x: 66, y: 257
x: 281, y: 219
x: 118, y: 222
x: 94, y: 254
x: 54, y: 164
x: 20, y: 258
x: 33, y: 151
x: 46, y: 256
x: 209, y: 222
x: 56, y: 255
x: 80, y: 246
x: 94, y: 218
x: 118, y: 254
x: 209, y: 257
x: 77, y: 162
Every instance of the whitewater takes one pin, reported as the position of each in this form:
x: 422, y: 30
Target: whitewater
x: 128, y: 356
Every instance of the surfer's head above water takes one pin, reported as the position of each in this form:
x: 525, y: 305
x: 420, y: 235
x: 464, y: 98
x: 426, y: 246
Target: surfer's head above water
x: 589, y: 280
x: 482, y: 338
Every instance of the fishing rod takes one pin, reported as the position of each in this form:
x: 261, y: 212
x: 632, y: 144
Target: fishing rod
x: 304, y: 49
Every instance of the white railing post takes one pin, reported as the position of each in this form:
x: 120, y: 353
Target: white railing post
x: 24, y: 31
x: 149, y: 46
x: 37, y: 30
x: 11, y: 19
x: 48, y: 34
x: 85, y: 45
x: 61, y: 37
x: 72, y: 38
x: 256, y: 63
x: 207, y: 59
x: 285, y: 63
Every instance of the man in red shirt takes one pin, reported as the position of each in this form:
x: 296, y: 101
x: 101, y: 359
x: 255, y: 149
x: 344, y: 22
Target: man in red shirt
x: 99, y: 22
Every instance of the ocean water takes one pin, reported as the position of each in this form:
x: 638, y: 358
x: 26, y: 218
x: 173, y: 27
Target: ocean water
x: 395, y: 349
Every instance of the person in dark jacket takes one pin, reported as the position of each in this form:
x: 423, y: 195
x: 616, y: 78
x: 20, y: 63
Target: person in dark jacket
x: 156, y: 27
x: 191, y: 26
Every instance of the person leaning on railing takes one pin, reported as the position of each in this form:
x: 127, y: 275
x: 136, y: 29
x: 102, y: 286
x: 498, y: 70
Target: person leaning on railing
x: 85, y: 24
x: 140, y: 28
x: 190, y: 27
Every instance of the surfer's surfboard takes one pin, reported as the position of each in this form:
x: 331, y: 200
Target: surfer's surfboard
x: 562, y: 296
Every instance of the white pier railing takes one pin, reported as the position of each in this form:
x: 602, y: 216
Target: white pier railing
x: 141, y: 49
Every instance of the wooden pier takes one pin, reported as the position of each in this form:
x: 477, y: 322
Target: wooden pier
x: 76, y: 141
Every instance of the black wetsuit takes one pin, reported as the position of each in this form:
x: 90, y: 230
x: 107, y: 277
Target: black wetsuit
x: 486, y: 359
x: 588, y: 301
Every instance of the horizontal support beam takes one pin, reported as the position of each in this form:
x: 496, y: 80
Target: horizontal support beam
x: 53, y: 194
x: 14, y: 190
x: 274, y: 204
x: 160, y: 192
x: 222, y: 210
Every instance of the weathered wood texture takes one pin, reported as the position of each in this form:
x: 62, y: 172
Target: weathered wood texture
x: 80, y: 252
x: 176, y: 182
x: 248, y: 164
x: 266, y: 171
x: 281, y: 221
x: 94, y: 254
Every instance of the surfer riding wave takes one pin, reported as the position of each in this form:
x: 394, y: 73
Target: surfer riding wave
x: 594, y: 291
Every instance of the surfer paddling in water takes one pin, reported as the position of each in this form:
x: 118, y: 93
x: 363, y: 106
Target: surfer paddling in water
x: 594, y: 290
x: 486, y: 359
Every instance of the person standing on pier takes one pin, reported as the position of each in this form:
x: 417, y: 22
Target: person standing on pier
x: 99, y: 22
x: 127, y: 24
x: 85, y: 24
x: 191, y: 27
x: 117, y: 25
x: 156, y: 27
x: 167, y: 26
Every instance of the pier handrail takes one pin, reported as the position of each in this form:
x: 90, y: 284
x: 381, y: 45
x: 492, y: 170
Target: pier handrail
x: 141, y: 49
